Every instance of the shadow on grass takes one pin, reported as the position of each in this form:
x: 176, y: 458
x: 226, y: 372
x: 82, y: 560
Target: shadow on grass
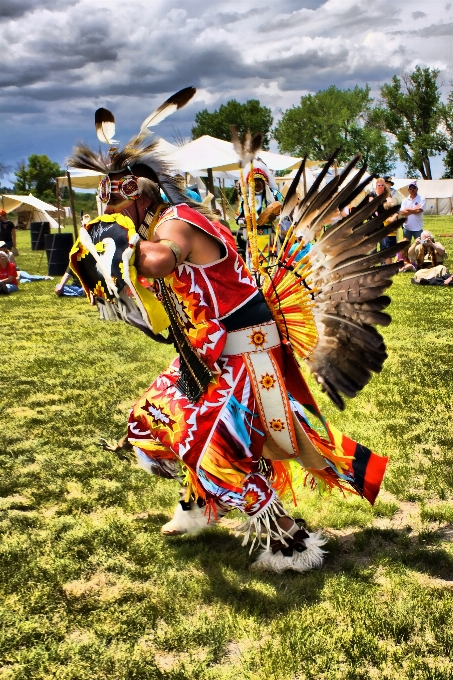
x: 229, y: 579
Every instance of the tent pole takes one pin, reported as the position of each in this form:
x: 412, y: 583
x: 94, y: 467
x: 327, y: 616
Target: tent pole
x: 58, y: 206
x: 222, y: 194
x: 305, y: 181
x: 211, y: 187
x: 71, y: 200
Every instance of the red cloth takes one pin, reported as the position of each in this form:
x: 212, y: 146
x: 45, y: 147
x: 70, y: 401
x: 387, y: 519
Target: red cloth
x: 226, y: 284
x: 9, y: 270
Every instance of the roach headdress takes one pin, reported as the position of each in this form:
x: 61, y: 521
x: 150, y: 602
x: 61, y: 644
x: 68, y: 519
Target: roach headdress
x: 140, y: 156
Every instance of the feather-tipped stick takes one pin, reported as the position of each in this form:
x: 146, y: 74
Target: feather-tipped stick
x: 256, y: 143
x: 247, y: 146
x: 172, y: 104
x: 237, y: 144
x: 104, y: 121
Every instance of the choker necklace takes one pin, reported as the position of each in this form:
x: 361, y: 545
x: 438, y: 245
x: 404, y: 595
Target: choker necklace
x: 147, y: 227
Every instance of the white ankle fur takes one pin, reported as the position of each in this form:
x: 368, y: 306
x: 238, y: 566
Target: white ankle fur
x: 311, y: 558
x: 189, y: 521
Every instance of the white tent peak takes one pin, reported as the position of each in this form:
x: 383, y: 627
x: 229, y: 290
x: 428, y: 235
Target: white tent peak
x: 12, y: 201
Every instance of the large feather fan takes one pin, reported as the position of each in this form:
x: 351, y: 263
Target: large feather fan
x: 328, y: 304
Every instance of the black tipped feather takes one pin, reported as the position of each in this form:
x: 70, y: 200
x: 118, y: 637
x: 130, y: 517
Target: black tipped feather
x: 347, y: 277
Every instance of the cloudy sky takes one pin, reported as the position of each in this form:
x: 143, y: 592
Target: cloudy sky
x: 62, y: 59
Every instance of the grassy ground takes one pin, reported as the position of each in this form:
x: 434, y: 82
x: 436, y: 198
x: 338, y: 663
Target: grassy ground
x: 91, y: 590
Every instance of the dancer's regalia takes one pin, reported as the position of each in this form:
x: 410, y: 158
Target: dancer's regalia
x: 268, y: 205
x: 233, y: 409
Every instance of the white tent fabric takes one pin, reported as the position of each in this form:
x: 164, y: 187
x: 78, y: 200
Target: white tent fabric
x: 11, y: 202
x: 195, y: 157
x: 81, y: 179
x: 219, y: 155
x: 438, y: 194
x: 284, y: 182
x: 43, y: 216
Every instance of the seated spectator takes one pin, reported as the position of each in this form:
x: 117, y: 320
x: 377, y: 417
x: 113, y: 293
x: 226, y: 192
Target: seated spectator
x: 63, y: 289
x: 4, y: 248
x: 406, y: 264
x: 8, y: 275
x: 425, y: 252
x: 24, y: 277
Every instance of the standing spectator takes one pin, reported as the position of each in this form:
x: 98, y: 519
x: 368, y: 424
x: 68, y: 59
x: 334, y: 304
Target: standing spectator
x: 380, y: 190
x: 7, y: 231
x: 8, y: 275
x: 389, y: 183
x: 412, y: 208
x: 391, y: 238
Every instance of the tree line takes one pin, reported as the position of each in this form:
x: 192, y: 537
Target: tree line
x: 407, y: 121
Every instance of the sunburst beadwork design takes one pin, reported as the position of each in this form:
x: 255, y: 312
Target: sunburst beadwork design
x: 257, y: 338
x: 277, y: 424
x: 267, y: 381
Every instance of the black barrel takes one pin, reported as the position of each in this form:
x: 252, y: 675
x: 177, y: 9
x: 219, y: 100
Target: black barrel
x: 37, y: 232
x: 58, y: 247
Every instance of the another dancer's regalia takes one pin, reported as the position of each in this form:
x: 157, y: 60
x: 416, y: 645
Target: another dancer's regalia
x: 233, y: 410
x: 258, y: 185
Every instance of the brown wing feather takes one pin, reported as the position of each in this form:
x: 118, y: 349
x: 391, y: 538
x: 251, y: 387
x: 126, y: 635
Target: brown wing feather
x: 347, y: 280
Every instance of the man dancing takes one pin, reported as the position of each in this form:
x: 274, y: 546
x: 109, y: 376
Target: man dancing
x: 233, y: 410
x: 259, y: 181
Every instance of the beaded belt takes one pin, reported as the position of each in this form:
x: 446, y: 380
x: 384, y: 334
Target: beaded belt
x: 257, y: 338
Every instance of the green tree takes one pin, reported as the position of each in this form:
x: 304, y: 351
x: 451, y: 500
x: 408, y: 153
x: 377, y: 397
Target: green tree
x: 335, y: 118
x: 249, y: 116
x: 4, y: 170
x: 377, y: 153
x: 447, y: 120
x: 37, y: 176
x: 412, y: 111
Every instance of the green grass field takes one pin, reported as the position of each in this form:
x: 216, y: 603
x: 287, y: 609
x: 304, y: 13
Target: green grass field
x: 90, y: 589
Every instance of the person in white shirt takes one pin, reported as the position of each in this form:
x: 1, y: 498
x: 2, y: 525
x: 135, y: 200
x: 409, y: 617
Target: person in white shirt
x: 412, y: 208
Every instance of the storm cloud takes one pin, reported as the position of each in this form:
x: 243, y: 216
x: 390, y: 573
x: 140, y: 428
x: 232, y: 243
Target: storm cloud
x: 62, y: 59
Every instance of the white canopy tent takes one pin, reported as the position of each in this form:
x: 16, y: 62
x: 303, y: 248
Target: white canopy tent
x: 81, y: 179
x: 39, y: 209
x: 438, y: 194
x: 203, y: 156
x: 12, y: 201
x: 207, y: 152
